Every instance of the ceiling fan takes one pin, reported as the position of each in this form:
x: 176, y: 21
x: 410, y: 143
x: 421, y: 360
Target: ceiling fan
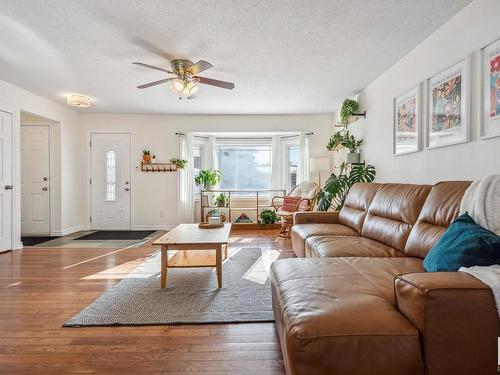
x: 186, y: 77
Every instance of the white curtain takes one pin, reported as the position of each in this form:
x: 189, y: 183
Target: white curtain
x: 211, y: 155
x: 303, y: 167
x: 277, y: 163
x: 185, y: 206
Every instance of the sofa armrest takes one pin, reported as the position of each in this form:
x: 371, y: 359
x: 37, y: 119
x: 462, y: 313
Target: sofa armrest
x: 456, y: 317
x: 316, y: 217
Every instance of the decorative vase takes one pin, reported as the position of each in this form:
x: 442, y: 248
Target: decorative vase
x: 208, y: 186
x: 146, y: 159
x: 352, y: 157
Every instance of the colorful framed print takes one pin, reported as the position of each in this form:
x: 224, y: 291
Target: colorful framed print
x: 407, y: 122
x: 448, y: 106
x: 490, y: 124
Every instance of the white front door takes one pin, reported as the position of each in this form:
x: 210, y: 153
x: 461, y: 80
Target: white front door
x: 5, y: 181
x: 35, y: 189
x: 110, y: 181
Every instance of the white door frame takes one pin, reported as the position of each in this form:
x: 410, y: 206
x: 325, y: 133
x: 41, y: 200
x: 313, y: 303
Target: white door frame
x: 51, y: 175
x: 89, y: 176
x: 14, y: 244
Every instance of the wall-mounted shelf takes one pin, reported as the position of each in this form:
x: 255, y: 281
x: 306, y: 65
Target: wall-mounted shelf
x: 158, y: 167
x: 353, y: 118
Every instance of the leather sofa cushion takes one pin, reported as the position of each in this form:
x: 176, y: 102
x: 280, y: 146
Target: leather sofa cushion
x: 333, y: 318
x: 356, y: 205
x: 393, y: 212
x: 347, y: 246
x: 301, y: 232
x: 441, y: 207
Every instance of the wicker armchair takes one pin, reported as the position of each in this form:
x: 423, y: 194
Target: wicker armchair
x: 301, y: 198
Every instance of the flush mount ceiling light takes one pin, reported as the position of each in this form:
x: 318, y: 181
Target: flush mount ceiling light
x: 183, y: 85
x: 77, y: 100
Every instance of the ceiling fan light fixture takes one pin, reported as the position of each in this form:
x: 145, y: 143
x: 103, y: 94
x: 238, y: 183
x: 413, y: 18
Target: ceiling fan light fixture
x: 190, y: 90
x: 177, y: 86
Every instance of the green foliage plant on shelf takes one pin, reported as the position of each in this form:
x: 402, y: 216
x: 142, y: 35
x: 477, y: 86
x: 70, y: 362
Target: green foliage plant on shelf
x: 208, y: 178
x: 180, y: 163
x: 336, y: 188
x: 351, y: 142
x: 335, y: 141
x: 268, y: 217
x: 349, y: 107
x: 222, y: 200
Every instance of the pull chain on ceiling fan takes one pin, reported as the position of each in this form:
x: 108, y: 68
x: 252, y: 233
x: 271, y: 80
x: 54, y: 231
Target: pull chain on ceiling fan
x: 184, y: 82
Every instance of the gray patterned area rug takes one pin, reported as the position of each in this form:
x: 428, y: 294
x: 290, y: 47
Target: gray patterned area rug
x: 191, y: 296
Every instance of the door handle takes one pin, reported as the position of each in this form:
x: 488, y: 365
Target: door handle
x: 9, y: 187
x: 45, y: 188
x: 127, y: 189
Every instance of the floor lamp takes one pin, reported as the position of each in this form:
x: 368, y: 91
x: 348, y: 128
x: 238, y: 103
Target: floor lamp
x: 318, y: 164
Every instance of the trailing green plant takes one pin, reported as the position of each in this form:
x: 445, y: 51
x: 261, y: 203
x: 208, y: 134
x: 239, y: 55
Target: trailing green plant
x: 337, y: 187
x: 345, y: 139
x: 180, y: 163
x: 335, y: 141
x: 222, y: 200
x: 208, y: 177
x: 268, y: 216
x: 351, y: 142
x: 349, y: 107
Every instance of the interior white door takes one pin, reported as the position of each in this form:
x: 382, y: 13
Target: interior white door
x: 110, y: 181
x: 35, y: 183
x: 6, y: 186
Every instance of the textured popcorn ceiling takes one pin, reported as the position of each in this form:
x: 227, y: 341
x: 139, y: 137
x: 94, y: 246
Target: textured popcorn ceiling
x: 283, y: 56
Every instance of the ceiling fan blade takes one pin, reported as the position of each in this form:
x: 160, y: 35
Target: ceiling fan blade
x: 199, y: 67
x: 146, y: 85
x: 214, y: 82
x: 153, y: 67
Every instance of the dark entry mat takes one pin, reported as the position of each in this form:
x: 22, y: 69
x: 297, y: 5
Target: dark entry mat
x: 32, y: 241
x: 117, y: 235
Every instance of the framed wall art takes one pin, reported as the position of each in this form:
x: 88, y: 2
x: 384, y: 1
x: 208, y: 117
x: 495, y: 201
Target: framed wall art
x: 448, y: 106
x: 490, y: 124
x: 406, y: 128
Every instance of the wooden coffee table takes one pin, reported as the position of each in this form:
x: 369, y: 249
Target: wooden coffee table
x: 191, y: 237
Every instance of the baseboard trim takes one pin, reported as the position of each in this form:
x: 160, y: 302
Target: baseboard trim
x: 65, y: 232
x: 154, y: 227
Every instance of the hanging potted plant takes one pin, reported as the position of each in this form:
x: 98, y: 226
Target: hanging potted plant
x: 208, y: 178
x: 348, y: 109
x: 146, y: 156
x: 353, y: 144
x: 179, y: 163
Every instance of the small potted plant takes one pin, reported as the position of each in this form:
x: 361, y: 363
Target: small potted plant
x: 222, y: 200
x: 268, y: 217
x: 208, y: 178
x: 353, y: 145
x: 180, y: 163
x: 146, y: 156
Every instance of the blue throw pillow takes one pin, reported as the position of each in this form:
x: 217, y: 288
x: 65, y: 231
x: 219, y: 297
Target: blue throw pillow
x: 464, y: 244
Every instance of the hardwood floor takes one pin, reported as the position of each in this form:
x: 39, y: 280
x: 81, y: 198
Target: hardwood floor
x: 40, y: 288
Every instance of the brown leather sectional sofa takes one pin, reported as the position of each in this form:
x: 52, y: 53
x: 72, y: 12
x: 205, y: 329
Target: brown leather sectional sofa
x: 358, y: 301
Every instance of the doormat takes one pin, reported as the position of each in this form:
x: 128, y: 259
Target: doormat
x: 32, y: 241
x: 117, y: 235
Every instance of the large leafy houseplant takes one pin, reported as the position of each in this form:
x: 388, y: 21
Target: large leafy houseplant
x: 268, y: 217
x: 336, y: 187
x: 208, y: 178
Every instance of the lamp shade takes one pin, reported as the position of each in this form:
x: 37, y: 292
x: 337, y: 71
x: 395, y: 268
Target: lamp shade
x: 319, y: 164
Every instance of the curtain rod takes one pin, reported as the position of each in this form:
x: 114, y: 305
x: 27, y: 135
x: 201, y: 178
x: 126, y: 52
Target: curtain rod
x: 283, y: 137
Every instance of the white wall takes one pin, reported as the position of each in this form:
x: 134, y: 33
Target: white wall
x: 69, y: 210
x: 467, y: 32
x: 155, y: 194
